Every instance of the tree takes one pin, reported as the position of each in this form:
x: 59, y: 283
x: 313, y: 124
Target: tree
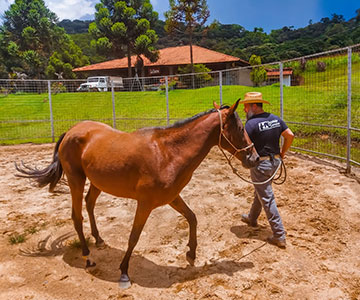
x: 357, y: 18
x: 202, y: 76
x: 83, y: 40
x: 258, y: 74
x: 124, y: 27
x: 62, y: 62
x: 29, y: 36
x: 192, y: 13
x: 3, y: 73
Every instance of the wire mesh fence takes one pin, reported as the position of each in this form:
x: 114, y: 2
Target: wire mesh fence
x: 316, y: 108
x: 318, y: 96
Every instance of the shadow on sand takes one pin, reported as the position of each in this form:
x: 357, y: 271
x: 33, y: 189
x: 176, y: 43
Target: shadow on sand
x: 142, y: 271
x: 255, y: 233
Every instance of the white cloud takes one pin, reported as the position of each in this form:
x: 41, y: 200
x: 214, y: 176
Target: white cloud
x: 64, y: 9
x: 77, y: 9
x: 4, y: 5
x: 71, y: 9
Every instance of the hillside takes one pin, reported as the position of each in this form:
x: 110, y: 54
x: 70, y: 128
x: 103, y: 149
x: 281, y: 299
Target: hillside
x: 234, y: 39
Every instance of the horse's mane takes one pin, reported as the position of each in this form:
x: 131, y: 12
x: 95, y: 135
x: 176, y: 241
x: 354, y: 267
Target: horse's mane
x: 181, y: 123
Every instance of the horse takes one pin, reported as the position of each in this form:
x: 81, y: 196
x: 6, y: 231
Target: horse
x: 151, y: 165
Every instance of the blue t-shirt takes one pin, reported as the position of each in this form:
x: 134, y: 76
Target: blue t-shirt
x: 264, y: 131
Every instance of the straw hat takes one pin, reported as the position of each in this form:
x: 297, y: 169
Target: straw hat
x: 253, y: 97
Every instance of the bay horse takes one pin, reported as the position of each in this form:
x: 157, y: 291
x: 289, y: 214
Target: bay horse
x: 150, y: 165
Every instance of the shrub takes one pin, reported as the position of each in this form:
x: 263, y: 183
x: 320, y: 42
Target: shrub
x: 58, y: 87
x: 258, y: 74
x: 201, y: 78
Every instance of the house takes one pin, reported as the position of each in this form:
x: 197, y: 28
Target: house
x: 273, y: 76
x: 170, y: 59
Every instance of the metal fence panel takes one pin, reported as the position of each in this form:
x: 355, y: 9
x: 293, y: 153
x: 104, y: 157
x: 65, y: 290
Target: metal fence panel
x: 143, y: 105
x: 318, y: 96
x: 316, y: 104
x: 192, y: 94
x: 24, y: 110
x: 237, y: 82
x: 355, y: 106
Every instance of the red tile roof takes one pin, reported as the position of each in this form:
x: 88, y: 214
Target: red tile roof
x: 168, y: 57
x: 276, y: 72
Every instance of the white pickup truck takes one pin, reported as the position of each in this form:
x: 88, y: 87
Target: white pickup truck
x: 101, y: 84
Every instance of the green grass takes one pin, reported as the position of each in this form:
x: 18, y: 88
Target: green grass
x: 17, y: 239
x: 76, y: 244
x: 28, y: 119
x: 322, y: 99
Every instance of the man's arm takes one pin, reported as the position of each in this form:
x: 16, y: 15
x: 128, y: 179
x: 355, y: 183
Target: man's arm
x: 288, y: 139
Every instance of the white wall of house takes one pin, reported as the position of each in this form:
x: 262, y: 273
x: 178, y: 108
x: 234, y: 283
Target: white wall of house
x: 287, y: 80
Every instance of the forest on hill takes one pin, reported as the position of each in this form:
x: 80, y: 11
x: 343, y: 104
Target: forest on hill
x: 233, y: 39
x: 35, y: 44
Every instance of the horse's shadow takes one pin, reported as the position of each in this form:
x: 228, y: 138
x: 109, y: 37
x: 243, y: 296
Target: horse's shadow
x: 142, y: 271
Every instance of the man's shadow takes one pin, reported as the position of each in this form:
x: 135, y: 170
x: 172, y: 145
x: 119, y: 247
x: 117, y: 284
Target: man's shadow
x: 142, y: 271
x: 259, y: 232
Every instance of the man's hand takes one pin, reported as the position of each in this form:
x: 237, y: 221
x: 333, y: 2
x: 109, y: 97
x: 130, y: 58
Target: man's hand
x: 288, y: 139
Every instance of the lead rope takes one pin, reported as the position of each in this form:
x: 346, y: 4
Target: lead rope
x: 281, y: 166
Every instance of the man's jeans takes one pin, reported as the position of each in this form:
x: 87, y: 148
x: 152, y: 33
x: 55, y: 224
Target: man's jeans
x: 264, y: 196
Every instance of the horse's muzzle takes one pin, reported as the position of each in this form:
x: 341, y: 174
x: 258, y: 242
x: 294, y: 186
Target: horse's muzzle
x: 250, y: 160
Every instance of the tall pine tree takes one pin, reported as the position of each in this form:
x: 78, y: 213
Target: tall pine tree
x: 190, y: 13
x: 124, y: 28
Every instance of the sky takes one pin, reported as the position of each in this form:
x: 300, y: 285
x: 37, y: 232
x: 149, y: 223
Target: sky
x: 267, y: 14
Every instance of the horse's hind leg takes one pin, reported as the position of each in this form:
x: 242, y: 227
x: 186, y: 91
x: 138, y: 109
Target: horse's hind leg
x: 179, y: 205
x: 90, y: 199
x: 76, y: 184
x: 142, y: 213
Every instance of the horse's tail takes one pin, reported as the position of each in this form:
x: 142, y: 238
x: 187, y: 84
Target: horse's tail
x: 50, y: 175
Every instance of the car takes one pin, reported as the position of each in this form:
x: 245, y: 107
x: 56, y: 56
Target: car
x: 101, y: 84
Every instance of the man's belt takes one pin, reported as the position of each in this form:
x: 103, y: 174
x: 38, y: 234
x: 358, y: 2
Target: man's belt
x: 268, y: 157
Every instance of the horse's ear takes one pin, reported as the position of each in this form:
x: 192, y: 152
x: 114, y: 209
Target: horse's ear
x: 216, y: 106
x: 234, y: 107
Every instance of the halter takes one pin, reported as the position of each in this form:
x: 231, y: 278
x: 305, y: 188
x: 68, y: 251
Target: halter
x: 237, y: 150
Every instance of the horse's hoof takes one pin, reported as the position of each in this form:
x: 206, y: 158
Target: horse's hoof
x: 124, y: 282
x: 189, y: 259
x: 90, y: 264
x: 100, y: 245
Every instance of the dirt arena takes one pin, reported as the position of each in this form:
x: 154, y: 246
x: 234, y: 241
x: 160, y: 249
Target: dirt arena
x: 320, y: 207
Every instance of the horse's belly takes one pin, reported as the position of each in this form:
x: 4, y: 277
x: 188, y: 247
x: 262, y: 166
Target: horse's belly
x: 117, y: 184
x: 135, y: 186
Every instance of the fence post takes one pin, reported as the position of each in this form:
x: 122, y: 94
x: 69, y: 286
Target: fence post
x: 281, y: 91
x: 167, y: 100
x: 113, y: 103
x: 348, y: 148
x: 220, y: 86
x: 51, y: 113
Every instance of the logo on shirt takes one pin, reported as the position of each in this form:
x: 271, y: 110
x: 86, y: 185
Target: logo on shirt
x: 268, y: 125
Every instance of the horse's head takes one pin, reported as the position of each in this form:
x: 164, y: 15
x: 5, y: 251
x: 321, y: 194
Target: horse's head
x: 234, y: 138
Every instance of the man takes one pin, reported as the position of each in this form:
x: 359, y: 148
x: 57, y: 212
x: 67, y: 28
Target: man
x: 264, y: 130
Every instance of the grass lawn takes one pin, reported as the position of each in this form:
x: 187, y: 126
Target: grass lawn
x: 322, y: 100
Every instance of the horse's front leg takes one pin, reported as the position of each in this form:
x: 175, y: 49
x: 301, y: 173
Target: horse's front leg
x: 179, y: 205
x: 142, y: 213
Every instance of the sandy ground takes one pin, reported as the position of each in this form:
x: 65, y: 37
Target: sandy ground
x: 320, y: 207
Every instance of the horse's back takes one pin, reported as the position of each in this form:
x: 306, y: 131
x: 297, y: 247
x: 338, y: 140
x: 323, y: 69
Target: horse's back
x: 109, y: 158
x: 83, y: 131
